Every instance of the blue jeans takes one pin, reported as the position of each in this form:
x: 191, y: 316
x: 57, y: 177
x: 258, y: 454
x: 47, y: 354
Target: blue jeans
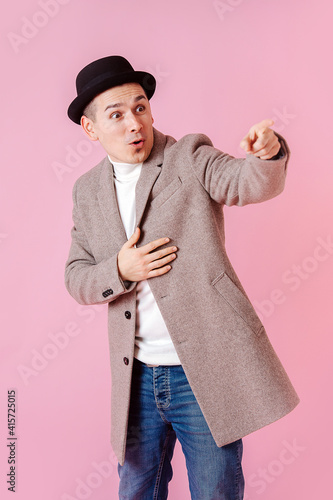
x: 162, y: 409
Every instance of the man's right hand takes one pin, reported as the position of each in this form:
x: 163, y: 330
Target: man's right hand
x: 138, y: 264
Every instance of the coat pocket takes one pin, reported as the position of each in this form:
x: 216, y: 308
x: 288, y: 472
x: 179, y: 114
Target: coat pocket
x: 166, y: 193
x: 238, y: 302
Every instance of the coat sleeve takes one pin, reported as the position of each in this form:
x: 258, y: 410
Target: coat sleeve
x: 238, y: 181
x: 86, y: 280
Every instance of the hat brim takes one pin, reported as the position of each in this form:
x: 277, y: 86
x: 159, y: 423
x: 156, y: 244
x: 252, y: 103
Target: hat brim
x: 146, y: 80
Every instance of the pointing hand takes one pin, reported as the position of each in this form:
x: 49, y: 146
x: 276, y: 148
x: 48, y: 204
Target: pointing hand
x: 261, y: 141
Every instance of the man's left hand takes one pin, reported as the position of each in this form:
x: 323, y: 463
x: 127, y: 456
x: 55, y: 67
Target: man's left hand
x: 261, y: 141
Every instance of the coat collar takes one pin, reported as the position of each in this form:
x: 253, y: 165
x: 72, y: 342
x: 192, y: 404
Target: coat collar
x: 107, y: 196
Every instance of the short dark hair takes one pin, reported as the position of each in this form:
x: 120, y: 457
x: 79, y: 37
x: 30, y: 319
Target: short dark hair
x: 90, y: 110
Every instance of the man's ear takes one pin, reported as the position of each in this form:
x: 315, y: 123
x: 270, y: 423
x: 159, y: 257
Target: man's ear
x: 88, y: 127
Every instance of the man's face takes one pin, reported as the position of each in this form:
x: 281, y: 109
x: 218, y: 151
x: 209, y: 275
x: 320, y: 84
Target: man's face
x: 123, y: 123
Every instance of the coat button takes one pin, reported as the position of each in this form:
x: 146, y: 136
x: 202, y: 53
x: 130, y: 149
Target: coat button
x: 128, y: 315
x: 126, y: 361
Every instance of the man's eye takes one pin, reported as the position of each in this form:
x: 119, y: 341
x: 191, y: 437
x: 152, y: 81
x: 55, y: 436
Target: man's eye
x: 115, y: 115
x: 140, y: 109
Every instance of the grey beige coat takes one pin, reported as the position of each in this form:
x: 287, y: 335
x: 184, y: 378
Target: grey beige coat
x: 230, y: 364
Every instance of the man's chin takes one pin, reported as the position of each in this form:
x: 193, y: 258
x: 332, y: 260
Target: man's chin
x: 140, y: 155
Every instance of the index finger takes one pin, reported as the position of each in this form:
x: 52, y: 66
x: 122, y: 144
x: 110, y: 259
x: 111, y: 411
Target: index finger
x: 259, y: 127
x: 150, y: 247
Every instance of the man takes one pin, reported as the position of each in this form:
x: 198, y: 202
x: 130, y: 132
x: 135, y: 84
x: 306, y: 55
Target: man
x: 190, y: 358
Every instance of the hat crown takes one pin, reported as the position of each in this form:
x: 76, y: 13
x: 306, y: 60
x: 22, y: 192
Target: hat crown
x: 110, y: 66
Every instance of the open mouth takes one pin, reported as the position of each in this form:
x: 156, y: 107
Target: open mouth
x: 137, y: 143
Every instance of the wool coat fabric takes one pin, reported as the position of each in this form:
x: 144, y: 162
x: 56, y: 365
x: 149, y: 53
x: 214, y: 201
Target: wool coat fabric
x: 223, y: 347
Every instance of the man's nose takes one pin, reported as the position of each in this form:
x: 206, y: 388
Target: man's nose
x: 133, y: 124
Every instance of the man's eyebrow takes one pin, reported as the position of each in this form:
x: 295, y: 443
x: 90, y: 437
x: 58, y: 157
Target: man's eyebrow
x: 119, y: 104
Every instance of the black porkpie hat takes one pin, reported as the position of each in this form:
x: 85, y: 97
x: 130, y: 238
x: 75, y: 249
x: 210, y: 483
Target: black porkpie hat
x: 102, y: 75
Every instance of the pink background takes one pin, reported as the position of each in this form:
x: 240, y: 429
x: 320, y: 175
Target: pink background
x: 221, y: 67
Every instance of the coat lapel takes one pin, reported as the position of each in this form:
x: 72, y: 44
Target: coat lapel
x: 151, y: 169
x: 149, y: 174
x: 107, y: 199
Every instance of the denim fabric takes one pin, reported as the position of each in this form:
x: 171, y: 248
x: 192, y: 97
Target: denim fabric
x: 163, y: 409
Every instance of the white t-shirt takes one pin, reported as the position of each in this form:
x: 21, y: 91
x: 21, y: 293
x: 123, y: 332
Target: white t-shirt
x: 153, y: 344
